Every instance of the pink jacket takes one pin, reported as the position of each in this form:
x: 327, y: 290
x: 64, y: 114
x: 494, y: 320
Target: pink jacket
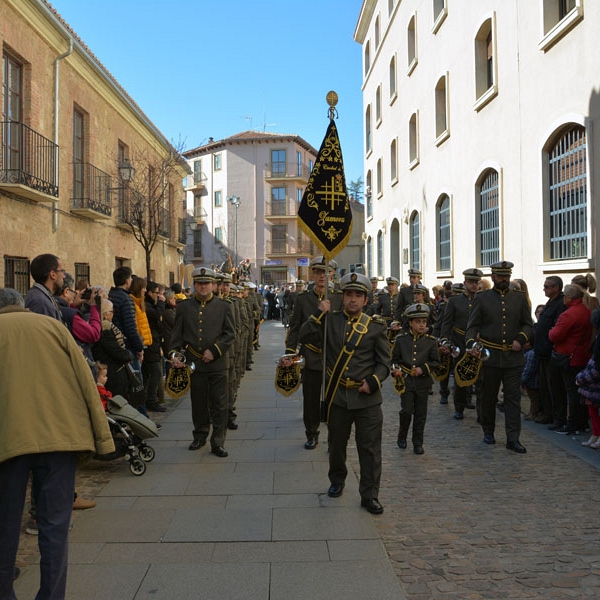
x: 572, y: 333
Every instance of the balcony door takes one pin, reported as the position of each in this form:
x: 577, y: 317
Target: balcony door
x: 12, y: 105
x: 78, y: 144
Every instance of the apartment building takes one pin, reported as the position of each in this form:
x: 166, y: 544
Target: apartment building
x: 479, y: 131
x: 80, y: 162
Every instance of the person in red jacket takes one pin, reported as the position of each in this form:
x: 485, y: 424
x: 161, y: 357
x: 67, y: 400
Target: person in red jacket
x: 572, y: 336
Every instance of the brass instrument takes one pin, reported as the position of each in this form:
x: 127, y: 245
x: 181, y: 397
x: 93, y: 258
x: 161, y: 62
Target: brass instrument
x: 393, y: 330
x: 180, y: 378
x: 449, y: 351
x: 467, y: 368
x: 287, y: 377
x: 399, y: 382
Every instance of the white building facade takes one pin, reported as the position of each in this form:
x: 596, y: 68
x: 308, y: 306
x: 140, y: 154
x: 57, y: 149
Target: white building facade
x: 479, y: 136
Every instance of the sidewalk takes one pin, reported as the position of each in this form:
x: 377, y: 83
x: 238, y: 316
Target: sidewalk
x: 257, y: 525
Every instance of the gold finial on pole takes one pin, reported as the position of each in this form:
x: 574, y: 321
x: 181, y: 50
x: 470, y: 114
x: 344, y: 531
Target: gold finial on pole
x: 332, y: 100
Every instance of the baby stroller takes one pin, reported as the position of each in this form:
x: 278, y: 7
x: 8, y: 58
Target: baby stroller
x: 129, y: 429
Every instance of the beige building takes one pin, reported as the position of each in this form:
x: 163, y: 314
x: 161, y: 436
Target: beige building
x: 243, y: 199
x: 479, y: 126
x: 70, y: 135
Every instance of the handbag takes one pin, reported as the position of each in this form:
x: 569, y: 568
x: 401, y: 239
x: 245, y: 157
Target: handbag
x: 137, y: 393
x: 562, y: 361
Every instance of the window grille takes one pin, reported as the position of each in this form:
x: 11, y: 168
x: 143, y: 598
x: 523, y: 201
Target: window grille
x: 444, y: 237
x: 415, y: 237
x: 16, y: 273
x: 489, y: 220
x: 568, y: 195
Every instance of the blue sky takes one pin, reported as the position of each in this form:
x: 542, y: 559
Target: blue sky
x: 206, y: 68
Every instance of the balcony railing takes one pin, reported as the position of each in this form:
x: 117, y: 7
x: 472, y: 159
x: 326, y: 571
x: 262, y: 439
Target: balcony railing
x: 29, y: 162
x: 286, y: 171
x: 91, y: 191
x: 281, y: 208
x: 277, y: 247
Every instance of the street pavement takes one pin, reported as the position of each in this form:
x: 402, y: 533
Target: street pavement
x: 463, y: 521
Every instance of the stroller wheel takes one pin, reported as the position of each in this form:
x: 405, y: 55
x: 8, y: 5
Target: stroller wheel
x: 146, y: 453
x: 137, y: 466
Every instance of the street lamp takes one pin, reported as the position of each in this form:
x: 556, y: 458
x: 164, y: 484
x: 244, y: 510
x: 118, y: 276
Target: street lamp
x: 235, y: 201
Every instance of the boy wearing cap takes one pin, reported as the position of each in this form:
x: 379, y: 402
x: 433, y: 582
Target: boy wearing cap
x: 501, y: 320
x: 416, y: 355
x: 312, y: 376
x: 358, y: 358
x: 405, y: 298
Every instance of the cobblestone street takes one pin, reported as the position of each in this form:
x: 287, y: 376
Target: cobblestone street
x: 463, y: 521
x: 466, y: 520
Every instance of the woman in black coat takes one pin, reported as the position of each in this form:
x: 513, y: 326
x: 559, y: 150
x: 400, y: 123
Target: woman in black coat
x: 152, y: 365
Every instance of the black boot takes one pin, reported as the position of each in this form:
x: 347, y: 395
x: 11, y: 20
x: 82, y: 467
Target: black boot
x: 405, y: 419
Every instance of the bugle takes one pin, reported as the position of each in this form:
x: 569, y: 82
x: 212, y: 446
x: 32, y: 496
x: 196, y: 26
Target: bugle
x: 179, y: 378
x: 447, y: 352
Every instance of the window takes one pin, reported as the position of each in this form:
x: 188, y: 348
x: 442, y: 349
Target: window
x: 78, y: 155
x: 440, y: 12
x: 378, y: 107
x: 379, y: 254
x: 218, y: 198
x: 299, y: 194
x: 415, y: 241
x: 390, y: 10
x: 299, y: 164
x: 82, y: 271
x: 411, y: 39
x: 12, y: 106
x: 393, y: 93
x: 441, y: 110
x: 413, y: 140
x: 16, y: 273
x: 122, y: 196
x: 486, y: 86
x: 444, y: 242
x: 278, y: 162
x: 377, y: 32
x: 559, y: 17
x: 197, y: 249
x: 379, y: 178
x: 567, y: 178
x: 368, y: 147
x: 198, y: 214
x: 198, y: 171
x: 369, y: 195
x: 278, y: 201
x: 370, y: 257
x: 489, y: 219
x: 218, y: 234
x: 367, y: 58
x: 217, y: 162
x: 279, y: 239
x: 393, y: 161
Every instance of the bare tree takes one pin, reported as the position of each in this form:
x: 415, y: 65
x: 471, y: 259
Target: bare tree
x: 148, y: 203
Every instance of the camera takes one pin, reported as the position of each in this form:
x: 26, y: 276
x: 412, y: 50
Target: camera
x: 86, y: 294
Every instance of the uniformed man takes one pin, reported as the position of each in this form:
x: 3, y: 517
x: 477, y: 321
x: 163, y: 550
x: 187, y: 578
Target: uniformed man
x: 454, y: 327
x: 312, y: 374
x: 205, y: 329
x: 371, y: 306
x: 358, y: 360
x: 405, y: 298
x: 500, y: 319
x: 298, y: 288
x: 389, y: 301
x: 415, y: 353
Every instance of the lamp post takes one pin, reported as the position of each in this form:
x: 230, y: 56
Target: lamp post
x: 235, y: 200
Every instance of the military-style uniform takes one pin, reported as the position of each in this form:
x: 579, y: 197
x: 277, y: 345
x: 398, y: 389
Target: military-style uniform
x: 411, y: 350
x: 369, y: 361
x: 201, y: 326
x: 312, y: 375
x: 499, y: 318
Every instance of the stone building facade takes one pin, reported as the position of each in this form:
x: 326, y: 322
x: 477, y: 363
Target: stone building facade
x: 70, y: 133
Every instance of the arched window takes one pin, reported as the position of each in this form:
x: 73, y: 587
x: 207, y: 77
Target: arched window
x: 392, y: 77
x: 415, y: 241
x: 567, y: 194
x: 411, y: 40
x: 393, y: 161
x: 413, y: 140
x: 367, y: 58
x: 380, y: 254
x: 369, y: 195
x: 441, y: 109
x: 379, y: 181
x: 378, y: 106
x: 489, y: 218
x: 486, y: 86
x: 370, y: 256
x: 368, y: 129
x: 444, y: 237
